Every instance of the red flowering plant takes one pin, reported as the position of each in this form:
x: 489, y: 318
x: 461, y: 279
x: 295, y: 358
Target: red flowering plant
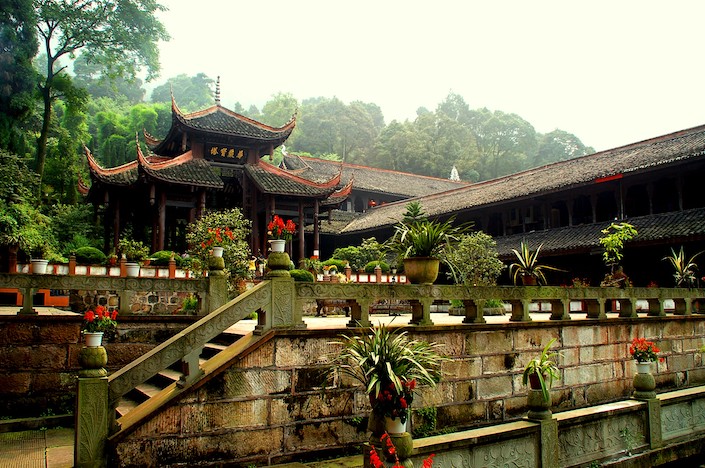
x: 644, y: 351
x: 218, y: 237
x: 390, y: 449
x: 392, y: 403
x: 99, y: 320
x: 278, y: 229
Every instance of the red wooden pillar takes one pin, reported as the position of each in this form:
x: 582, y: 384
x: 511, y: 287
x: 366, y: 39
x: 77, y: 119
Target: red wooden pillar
x: 162, y: 222
x: 302, y: 221
x: 316, y: 240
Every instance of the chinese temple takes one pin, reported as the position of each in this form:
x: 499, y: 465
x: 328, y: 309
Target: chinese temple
x: 210, y: 159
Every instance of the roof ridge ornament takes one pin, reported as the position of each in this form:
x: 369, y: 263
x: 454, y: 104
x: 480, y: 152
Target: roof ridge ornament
x: 217, y: 91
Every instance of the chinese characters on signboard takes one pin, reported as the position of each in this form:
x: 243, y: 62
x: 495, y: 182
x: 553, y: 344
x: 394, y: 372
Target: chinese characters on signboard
x: 226, y: 152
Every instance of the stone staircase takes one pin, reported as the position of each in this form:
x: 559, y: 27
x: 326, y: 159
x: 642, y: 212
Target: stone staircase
x: 172, y: 375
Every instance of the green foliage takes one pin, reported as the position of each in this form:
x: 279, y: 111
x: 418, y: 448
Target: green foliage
x: 310, y: 264
x: 613, y: 242
x: 302, y: 275
x: 162, y: 257
x: 382, y: 357
x: 416, y: 236
x: 359, y: 256
x: 338, y: 264
x: 527, y: 265
x: 192, y: 93
x: 236, y: 252
x: 74, y: 227
x: 474, y: 261
x: 545, y: 368
x: 189, y: 304
x: 89, y: 256
x: 133, y: 250
x: 370, y: 267
x: 684, y: 270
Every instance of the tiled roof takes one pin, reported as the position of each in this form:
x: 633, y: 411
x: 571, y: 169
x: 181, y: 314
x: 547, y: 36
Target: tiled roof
x: 120, y: 175
x: 678, y: 226
x: 371, y: 179
x: 218, y: 119
x: 271, y: 179
x: 660, y: 151
x: 340, y: 195
x: 184, y: 169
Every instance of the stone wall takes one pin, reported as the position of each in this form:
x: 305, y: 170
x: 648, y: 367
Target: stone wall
x: 268, y: 405
x: 141, y: 303
x: 39, y: 357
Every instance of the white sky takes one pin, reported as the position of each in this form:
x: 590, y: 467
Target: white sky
x: 611, y: 72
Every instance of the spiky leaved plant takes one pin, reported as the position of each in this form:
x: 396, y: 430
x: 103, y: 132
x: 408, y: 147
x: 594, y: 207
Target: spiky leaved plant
x: 527, y: 264
x: 684, y: 270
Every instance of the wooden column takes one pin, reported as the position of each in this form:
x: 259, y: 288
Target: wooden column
x: 302, y: 221
x: 116, y: 223
x: 256, y: 234
x: 316, y: 234
x: 162, y: 222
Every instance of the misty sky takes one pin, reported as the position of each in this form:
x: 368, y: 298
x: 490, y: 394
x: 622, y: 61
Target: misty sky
x: 610, y: 72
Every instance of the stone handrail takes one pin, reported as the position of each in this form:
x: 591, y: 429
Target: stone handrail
x: 188, y: 343
x: 27, y: 283
x: 362, y: 297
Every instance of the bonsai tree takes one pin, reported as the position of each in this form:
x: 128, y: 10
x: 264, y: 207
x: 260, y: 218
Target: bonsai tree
x: 527, y: 266
x: 684, y: 270
x: 615, y: 236
x: 133, y: 250
x: 540, y: 372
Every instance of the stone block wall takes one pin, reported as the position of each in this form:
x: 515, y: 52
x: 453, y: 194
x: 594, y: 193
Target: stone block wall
x: 270, y: 405
x: 39, y: 357
x: 142, y: 303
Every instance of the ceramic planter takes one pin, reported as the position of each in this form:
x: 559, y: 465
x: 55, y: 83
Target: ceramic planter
x: 133, y: 269
x: 394, y: 425
x: 277, y: 245
x: 39, y: 266
x: 644, y: 382
x: 218, y: 252
x: 93, y: 339
x: 421, y: 270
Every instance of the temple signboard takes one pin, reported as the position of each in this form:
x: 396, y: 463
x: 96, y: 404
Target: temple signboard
x: 226, y: 153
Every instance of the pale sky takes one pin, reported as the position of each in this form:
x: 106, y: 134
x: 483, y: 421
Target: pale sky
x: 610, y: 72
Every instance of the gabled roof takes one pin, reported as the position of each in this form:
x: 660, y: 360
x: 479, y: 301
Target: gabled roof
x: 370, y: 179
x: 184, y: 169
x: 678, y: 226
x: 340, y: 195
x: 581, y: 171
x: 271, y: 179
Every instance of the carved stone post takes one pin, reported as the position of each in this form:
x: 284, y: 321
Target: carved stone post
x: 473, y: 311
x: 217, y: 294
x: 282, y: 313
x: 93, y: 417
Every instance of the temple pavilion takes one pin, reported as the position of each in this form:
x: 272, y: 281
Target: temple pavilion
x: 210, y: 159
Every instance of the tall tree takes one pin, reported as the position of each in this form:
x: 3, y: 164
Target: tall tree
x: 18, y: 77
x: 559, y: 145
x: 120, y: 36
x: 191, y: 92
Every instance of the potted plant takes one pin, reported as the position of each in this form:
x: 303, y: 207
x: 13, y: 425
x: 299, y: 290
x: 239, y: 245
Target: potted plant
x: 279, y: 232
x: 644, y: 353
x: 527, y: 266
x: 134, y: 252
x: 217, y: 238
x: 615, y: 235
x: 97, y: 323
x: 419, y: 242
x: 389, y: 365
x: 684, y: 270
x: 540, y: 372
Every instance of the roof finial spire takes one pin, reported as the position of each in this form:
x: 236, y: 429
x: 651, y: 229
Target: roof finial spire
x: 217, y: 92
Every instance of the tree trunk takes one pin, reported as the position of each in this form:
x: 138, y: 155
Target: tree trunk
x: 43, y: 136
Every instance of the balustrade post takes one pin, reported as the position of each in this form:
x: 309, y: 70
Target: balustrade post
x: 72, y: 264
x: 190, y: 367
x: 560, y: 309
x: 683, y: 306
x: 656, y: 308
x: 596, y: 308
x: 93, y: 418
x: 421, y: 311
x: 217, y: 294
x: 27, y: 298
x: 360, y: 313
x: 627, y: 308
x: 125, y: 300
x: 549, y: 443
x: 473, y: 311
x: 520, y: 310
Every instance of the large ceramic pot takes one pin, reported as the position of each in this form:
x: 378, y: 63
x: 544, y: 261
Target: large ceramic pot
x: 217, y: 252
x: 39, y: 266
x: 132, y: 269
x: 394, y: 425
x: 421, y: 270
x: 93, y: 339
x: 277, y: 245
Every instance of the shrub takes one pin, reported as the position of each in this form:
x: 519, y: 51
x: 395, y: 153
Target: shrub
x: 162, y: 257
x: 474, y: 260
x: 370, y: 267
x: 359, y: 256
x: 339, y: 264
x: 302, y: 275
x: 89, y: 256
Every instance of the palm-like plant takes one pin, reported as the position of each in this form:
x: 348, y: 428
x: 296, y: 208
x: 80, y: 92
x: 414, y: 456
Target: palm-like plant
x: 543, y: 369
x: 527, y: 264
x: 684, y: 270
x: 386, y: 356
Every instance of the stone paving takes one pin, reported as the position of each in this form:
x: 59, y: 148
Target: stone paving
x: 50, y: 448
